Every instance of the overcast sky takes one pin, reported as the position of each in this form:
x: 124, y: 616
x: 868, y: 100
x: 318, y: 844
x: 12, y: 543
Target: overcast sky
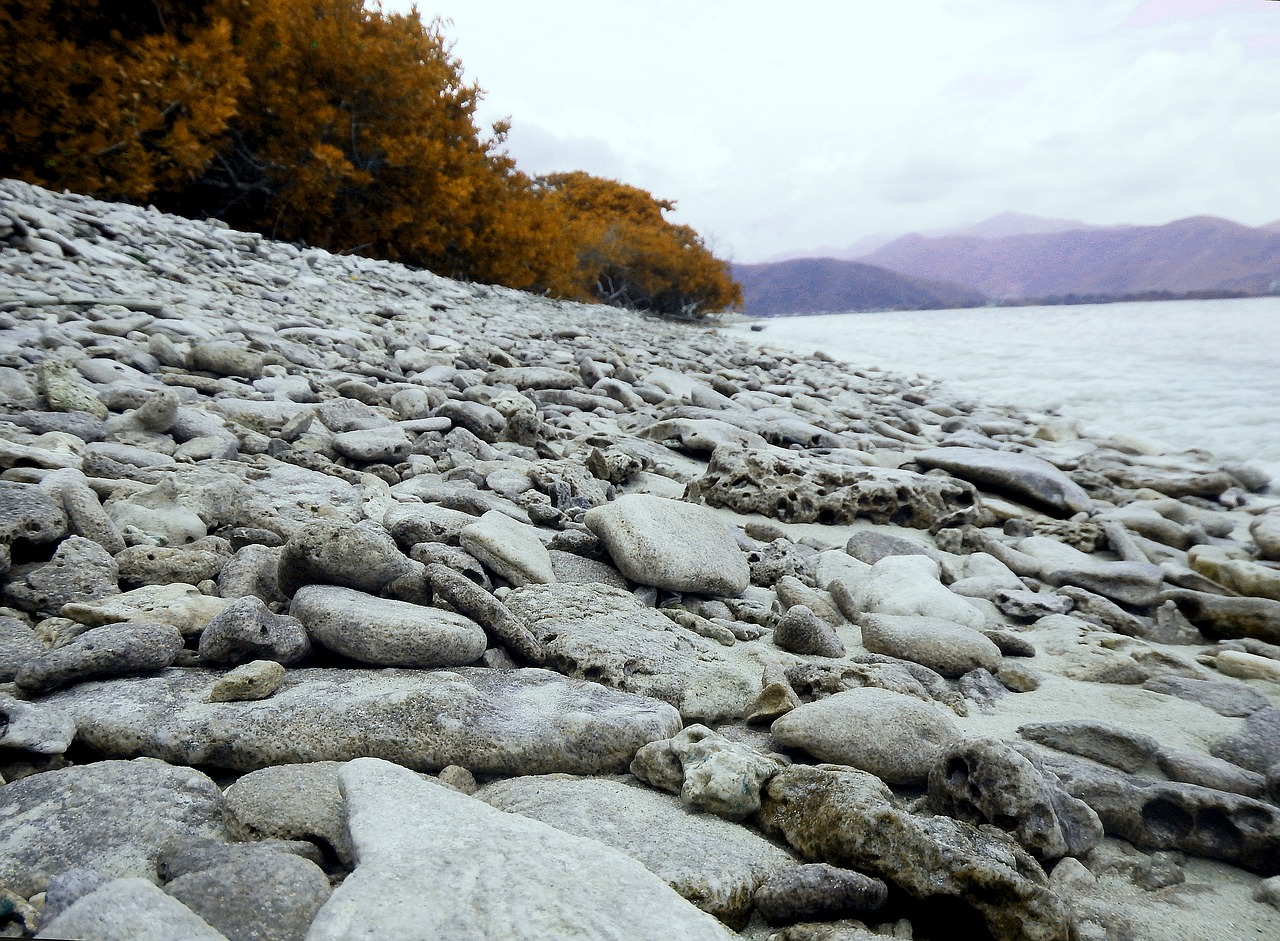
x: 805, y: 125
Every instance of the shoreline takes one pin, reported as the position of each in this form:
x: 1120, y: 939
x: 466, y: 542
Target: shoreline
x: 666, y: 581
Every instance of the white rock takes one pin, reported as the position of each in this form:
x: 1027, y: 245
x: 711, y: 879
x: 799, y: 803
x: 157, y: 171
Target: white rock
x: 508, y: 548
x: 434, y: 863
x: 908, y: 585
x: 130, y: 910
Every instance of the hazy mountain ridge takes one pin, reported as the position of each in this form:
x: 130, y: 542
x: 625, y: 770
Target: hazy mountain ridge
x: 818, y: 285
x: 1200, y: 253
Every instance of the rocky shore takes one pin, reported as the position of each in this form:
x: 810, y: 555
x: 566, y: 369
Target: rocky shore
x: 342, y: 600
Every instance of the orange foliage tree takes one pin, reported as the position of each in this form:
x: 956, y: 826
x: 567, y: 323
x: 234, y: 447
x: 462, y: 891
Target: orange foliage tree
x: 118, y: 98
x: 628, y: 254
x: 324, y: 122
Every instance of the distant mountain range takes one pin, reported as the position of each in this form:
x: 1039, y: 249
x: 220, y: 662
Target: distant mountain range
x: 1015, y: 257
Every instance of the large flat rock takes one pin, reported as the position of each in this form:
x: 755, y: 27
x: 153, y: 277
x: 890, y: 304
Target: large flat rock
x: 433, y: 863
x: 712, y: 862
x: 492, y: 721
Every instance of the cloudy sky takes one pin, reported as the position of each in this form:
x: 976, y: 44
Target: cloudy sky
x: 806, y: 126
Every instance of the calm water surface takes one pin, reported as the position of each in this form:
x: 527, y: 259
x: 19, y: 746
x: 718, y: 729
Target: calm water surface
x: 1180, y: 374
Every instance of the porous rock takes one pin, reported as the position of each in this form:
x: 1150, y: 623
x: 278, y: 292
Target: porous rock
x: 111, y: 650
x: 707, y: 770
x: 803, y: 489
x: 849, y: 818
x: 799, y: 630
x: 818, y: 891
x: 985, y: 781
x: 331, y: 552
x: 246, y: 630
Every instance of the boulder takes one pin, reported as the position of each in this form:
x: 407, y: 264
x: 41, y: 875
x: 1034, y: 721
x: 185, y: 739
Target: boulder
x: 908, y: 585
x: 246, y: 630
x: 295, y: 802
x: 714, y: 864
x: 509, y: 549
x: 111, y: 650
x: 130, y: 909
x: 940, y: 645
x: 263, y: 897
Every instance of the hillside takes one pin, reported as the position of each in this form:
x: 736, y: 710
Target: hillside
x: 1202, y: 253
x: 816, y: 285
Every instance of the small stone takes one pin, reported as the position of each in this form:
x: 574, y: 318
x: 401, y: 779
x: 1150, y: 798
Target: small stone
x: 458, y: 778
x: 707, y: 770
x: 946, y: 647
x: 328, y: 552
x: 257, y: 679
x: 246, y: 630
x: 801, y: 631
x: 34, y: 728
x: 509, y: 549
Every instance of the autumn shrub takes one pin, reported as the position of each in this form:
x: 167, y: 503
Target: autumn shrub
x: 324, y: 122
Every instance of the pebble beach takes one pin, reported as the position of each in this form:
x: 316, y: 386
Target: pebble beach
x: 346, y: 601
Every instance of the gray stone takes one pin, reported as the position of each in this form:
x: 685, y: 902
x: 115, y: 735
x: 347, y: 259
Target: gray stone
x: 895, y: 737
x: 1191, y: 767
x: 1168, y: 815
x: 256, y: 679
x: 112, y: 650
x: 523, y: 878
x: 1256, y: 747
x: 1265, y: 530
x: 67, y: 887
x: 509, y: 549
x: 269, y: 897
x: 29, y: 514
x: 870, y: 547
x: 711, y: 862
x: 985, y: 781
x: 606, y: 635
x: 225, y: 358
x: 330, y: 552
x: 1218, y: 616
x: 111, y: 815
x: 385, y: 632
x: 162, y: 565
x: 80, y: 570
x: 1132, y: 583
x: 799, y: 630
x: 253, y: 570
x: 818, y: 891
x: 491, y: 721
x: 18, y: 644
x: 909, y: 585
x: 183, y: 855
x: 1225, y: 697
x: 580, y: 570
x: 182, y: 606
x: 670, y: 544
x: 948, y: 648
x: 492, y: 615
x: 707, y: 770
x: 798, y: 488
x: 388, y: 445
x: 129, y: 909
x: 293, y: 802
x: 850, y: 819
x: 246, y: 630
x: 34, y: 727
x: 1021, y: 475
x: 1100, y: 741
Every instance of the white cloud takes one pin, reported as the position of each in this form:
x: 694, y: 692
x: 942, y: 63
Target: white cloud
x: 816, y: 123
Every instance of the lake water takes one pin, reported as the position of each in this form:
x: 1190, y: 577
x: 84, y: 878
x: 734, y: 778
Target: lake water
x: 1180, y: 374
